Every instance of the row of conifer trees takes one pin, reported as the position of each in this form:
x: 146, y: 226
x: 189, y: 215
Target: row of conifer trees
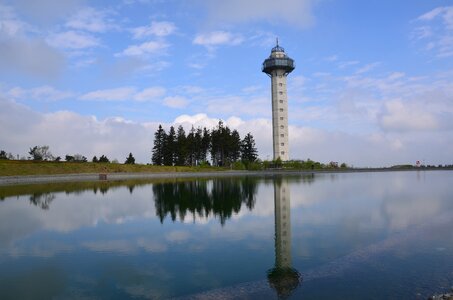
x: 220, y: 145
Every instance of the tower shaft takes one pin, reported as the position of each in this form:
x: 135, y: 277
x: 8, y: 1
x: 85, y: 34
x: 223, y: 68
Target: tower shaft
x: 280, y: 115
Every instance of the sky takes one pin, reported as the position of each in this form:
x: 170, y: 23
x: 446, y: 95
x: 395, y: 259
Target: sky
x: 373, y: 84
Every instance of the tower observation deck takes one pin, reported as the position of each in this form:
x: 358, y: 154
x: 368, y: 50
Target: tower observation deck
x: 278, y: 65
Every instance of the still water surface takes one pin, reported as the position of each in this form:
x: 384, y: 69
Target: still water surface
x: 338, y: 236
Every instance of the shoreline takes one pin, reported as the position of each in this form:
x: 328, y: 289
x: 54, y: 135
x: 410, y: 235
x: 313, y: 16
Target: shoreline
x: 81, y: 177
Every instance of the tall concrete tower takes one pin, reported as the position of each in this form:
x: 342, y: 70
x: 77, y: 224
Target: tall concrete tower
x: 278, y: 66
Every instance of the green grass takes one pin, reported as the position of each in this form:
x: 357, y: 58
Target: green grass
x: 28, y: 167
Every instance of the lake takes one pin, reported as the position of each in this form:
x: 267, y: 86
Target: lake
x: 383, y: 235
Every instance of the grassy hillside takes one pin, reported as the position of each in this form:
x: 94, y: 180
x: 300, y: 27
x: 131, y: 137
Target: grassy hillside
x: 27, y: 167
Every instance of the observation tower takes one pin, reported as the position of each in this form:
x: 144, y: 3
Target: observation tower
x: 278, y: 65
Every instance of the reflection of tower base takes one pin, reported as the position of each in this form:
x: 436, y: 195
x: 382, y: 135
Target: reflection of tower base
x: 284, y: 281
x: 283, y: 278
x: 282, y: 224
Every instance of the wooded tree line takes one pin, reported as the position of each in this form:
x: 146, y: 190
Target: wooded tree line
x: 42, y: 153
x: 221, y: 144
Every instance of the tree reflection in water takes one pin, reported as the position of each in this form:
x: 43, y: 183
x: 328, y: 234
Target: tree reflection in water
x: 42, y: 200
x: 203, y: 198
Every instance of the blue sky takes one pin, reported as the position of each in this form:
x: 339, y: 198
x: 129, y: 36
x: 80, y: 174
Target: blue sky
x: 372, y: 84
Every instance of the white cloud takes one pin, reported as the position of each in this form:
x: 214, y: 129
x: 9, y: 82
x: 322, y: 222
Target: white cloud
x: 10, y: 24
x: 47, y: 12
x: 116, y: 94
x: 227, y: 105
x: 446, y: 13
x: 331, y: 58
x: 73, y: 40
x: 368, y: 67
x: 176, y: 102
x: 31, y: 57
x: 132, y: 2
x: 22, y: 54
x: 218, y: 38
x: 196, y: 66
x: 150, y: 94
x: 422, y: 32
x: 294, y: 12
x: 399, y: 116
x: 85, y: 62
x: 91, y: 19
x: 252, y: 89
x: 395, y: 75
x: 436, y: 31
x: 125, y: 93
x: 160, y: 29
x: 344, y: 64
x: 394, y: 82
x: 144, y: 49
x: 262, y: 39
x: 44, y: 93
x: 200, y: 120
x: 192, y: 89
x: 67, y: 132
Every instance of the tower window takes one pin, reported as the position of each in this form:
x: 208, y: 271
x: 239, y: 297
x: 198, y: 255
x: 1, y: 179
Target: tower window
x: 282, y: 127
x: 281, y: 93
x: 281, y: 109
x: 281, y: 101
x: 282, y: 153
x: 282, y: 135
x: 281, y: 118
x: 282, y: 144
x: 280, y: 84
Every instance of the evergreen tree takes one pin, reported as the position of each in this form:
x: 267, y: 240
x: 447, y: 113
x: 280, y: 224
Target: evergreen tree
x: 248, y: 149
x: 103, y: 159
x: 197, y: 145
x: 234, y: 147
x: 95, y: 159
x: 181, y: 147
x: 205, y: 144
x: 191, y: 148
x: 218, y: 144
x: 169, y: 150
x: 157, y: 157
x: 130, y: 159
x: 225, y: 145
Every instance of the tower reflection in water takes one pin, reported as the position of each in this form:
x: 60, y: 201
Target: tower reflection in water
x: 283, y: 278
